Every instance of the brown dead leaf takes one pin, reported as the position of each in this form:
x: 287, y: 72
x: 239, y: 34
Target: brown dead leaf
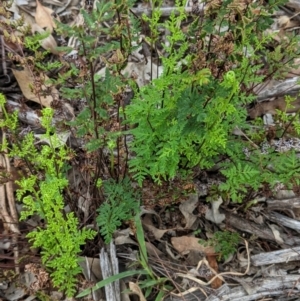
x: 152, y: 250
x: 270, y: 107
x: 147, y: 223
x: 26, y: 81
x: 285, y: 22
x: 184, y: 244
x: 43, y: 17
x: 214, y: 265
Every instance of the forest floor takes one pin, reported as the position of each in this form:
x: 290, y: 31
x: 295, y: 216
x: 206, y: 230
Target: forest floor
x: 203, y: 245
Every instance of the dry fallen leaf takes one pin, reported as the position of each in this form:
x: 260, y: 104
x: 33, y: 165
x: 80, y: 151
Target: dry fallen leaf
x: 152, y: 250
x: 136, y: 290
x: 122, y: 237
x: 184, y: 244
x: 214, y: 265
x: 242, y: 258
x: 187, y: 209
x: 45, y: 96
x: 214, y: 214
x: 276, y: 233
x: 48, y: 43
x: 147, y: 223
x: 140, y: 71
x: 25, y: 80
x: 43, y: 17
x: 91, y: 265
x: 285, y: 22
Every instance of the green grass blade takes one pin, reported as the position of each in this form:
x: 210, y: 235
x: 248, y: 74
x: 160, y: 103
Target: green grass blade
x: 110, y: 280
x: 141, y: 240
x: 152, y: 282
x: 159, y: 296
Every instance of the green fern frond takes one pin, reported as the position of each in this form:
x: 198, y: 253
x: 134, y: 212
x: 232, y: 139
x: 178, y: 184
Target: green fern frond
x: 122, y: 202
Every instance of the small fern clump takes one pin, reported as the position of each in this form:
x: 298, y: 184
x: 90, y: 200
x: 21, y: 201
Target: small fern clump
x: 251, y: 169
x: 42, y: 194
x: 121, y: 204
x: 225, y: 243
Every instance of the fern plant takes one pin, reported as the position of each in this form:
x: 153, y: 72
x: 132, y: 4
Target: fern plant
x: 186, y: 117
x: 224, y: 242
x: 100, y: 90
x: 95, y: 94
x: 121, y: 204
x: 250, y: 169
x: 42, y: 193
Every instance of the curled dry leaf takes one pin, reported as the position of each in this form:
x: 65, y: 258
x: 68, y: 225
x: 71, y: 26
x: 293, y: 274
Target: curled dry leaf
x: 242, y: 257
x: 157, y: 233
x: 122, y: 237
x: 136, y: 290
x: 187, y: 209
x: 141, y: 71
x: 48, y: 43
x: 214, y: 214
x: 285, y: 22
x: 43, y: 17
x: 276, y: 233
